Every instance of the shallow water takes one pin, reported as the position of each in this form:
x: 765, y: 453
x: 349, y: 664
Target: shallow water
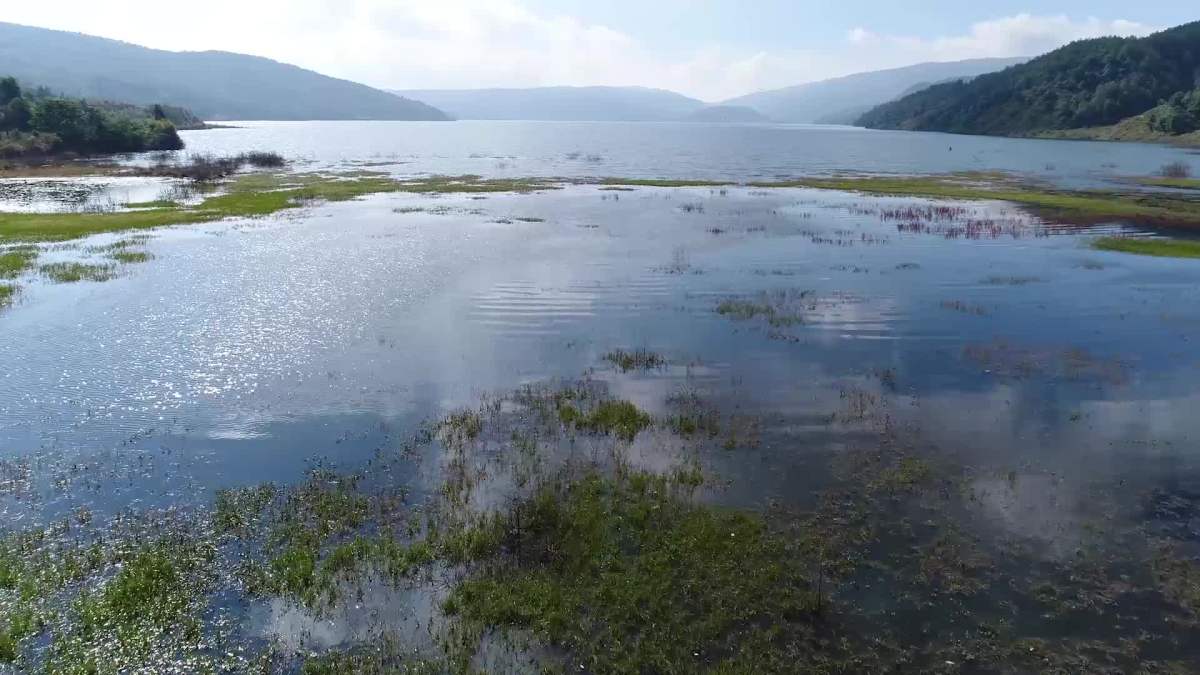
x: 57, y: 195
x: 338, y: 320
x: 247, y: 351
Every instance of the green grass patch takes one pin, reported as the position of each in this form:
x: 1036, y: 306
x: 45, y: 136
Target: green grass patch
x: 616, y: 418
x: 72, y: 272
x: 7, y: 293
x: 156, y: 204
x: 152, y: 606
x: 637, y: 359
x: 1163, y: 181
x: 250, y: 195
x: 131, y: 257
x: 15, y: 261
x: 628, y: 575
x: 1163, y: 248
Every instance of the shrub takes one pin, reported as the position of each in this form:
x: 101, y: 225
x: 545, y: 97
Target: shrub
x: 1176, y: 170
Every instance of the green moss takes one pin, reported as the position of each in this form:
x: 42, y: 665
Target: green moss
x: 627, y: 575
x: 72, y: 272
x: 1164, y: 248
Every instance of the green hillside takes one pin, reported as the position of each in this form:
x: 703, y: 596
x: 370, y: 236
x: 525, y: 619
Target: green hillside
x: 1090, y: 83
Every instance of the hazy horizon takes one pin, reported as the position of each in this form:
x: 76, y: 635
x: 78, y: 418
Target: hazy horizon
x: 713, y: 50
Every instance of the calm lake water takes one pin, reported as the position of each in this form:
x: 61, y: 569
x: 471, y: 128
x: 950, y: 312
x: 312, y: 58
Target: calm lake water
x: 250, y: 350
x: 735, y: 152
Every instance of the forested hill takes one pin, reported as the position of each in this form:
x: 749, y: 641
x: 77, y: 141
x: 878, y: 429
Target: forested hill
x: 1084, y: 84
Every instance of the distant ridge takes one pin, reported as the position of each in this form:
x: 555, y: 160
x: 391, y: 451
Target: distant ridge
x: 842, y: 100
x: 590, y: 104
x: 214, y: 85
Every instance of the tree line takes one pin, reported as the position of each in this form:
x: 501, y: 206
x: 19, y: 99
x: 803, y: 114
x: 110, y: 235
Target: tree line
x: 36, y: 122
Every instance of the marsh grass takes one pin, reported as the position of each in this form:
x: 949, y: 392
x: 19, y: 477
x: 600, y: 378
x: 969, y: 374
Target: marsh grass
x: 131, y: 257
x: 247, y: 196
x: 73, y: 272
x: 1163, y: 248
x: 1176, y: 170
x: 1074, y: 207
x: 637, y: 359
x: 7, y: 293
x: 14, y: 262
x: 614, y: 418
x: 472, y: 184
x: 780, y: 309
x: 627, y: 573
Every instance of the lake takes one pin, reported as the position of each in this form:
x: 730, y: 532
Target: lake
x: 1054, y: 384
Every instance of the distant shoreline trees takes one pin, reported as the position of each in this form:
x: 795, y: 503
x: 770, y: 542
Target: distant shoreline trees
x: 37, y: 123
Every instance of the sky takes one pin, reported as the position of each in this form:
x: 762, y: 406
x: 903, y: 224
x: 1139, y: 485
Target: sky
x: 709, y: 49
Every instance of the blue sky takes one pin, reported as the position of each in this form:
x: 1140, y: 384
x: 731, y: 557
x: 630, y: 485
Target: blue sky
x: 710, y: 49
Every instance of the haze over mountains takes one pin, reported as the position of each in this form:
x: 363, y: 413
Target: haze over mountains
x: 213, y: 85
x: 841, y: 100
x: 593, y: 104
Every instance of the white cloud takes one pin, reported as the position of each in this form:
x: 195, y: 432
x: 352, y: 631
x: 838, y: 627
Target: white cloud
x: 481, y: 43
x: 1019, y: 35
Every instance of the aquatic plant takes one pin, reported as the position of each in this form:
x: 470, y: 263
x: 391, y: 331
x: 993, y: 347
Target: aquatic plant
x: 625, y: 573
x: 72, y: 272
x: 1176, y: 169
x: 637, y: 359
x: 16, y: 261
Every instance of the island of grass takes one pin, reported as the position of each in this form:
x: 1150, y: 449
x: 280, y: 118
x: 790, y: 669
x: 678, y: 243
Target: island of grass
x: 1162, y: 248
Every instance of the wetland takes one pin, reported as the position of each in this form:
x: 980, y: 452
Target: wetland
x: 521, y: 402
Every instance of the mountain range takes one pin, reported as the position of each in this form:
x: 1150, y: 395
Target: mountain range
x: 213, y: 85
x: 592, y: 104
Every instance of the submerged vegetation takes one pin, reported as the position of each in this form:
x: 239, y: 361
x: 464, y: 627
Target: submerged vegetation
x: 628, y: 574
x: 597, y: 563
x: 637, y: 359
x: 1072, y: 207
